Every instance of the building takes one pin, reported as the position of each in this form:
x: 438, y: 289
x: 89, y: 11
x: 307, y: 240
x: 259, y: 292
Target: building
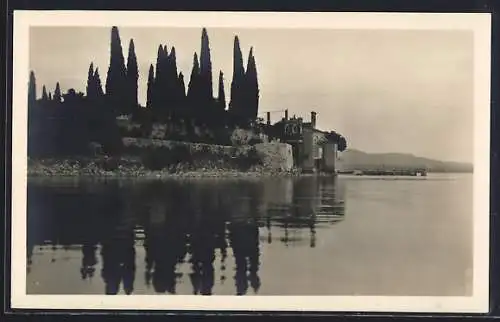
x: 313, y: 150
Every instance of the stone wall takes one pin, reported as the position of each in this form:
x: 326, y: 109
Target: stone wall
x: 157, y: 143
x: 273, y: 156
x: 276, y: 155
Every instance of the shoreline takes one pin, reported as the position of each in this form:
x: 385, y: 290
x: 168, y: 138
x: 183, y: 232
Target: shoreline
x: 71, y: 169
x: 74, y: 169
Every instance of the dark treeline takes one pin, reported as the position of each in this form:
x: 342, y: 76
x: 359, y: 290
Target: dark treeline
x: 66, y: 124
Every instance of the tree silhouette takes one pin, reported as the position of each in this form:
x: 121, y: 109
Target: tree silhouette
x: 194, y: 85
x: 251, y: 88
x: 94, y: 86
x: 237, y: 84
x: 132, y: 76
x: 173, y: 90
x: 116, y: 78
x: 97, y: 83
x: 32, y: 90
x: 159, y: 94
x: 90, y: 82
x: 57, y: 93
x: 45, y: 97
x: 221, y: 98
x: 206, y: 90
x: 151, y: 80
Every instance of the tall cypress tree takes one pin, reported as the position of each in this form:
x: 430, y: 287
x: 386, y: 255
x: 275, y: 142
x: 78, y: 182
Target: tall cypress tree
x: 155, y: 89
x: 221, y: 99
x: 32, y: 90
x: 193, y: 86
x: 159, y: 61
x: 57, y: 93
x: 237, y: 83
x: 150, y: 90
x: 251, y: 88
x: 160, y: 93
x: 172, y: 88
x: 116, y: 78
x: 206, y: 89
x: 97, y: 83
x: 91, y: 94
x: 45, y: 97
x: 132, y: 76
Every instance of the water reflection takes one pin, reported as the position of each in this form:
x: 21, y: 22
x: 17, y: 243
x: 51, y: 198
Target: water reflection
x: 190, y: 231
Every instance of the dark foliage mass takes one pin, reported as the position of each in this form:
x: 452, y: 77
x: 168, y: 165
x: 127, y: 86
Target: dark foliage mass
x: 75, y: 123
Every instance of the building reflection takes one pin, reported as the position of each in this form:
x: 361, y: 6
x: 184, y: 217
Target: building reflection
x: 189, y: 229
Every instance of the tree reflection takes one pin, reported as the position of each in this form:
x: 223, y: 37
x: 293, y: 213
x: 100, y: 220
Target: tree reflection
x: 188, y: 226
x: 118, y: 262
x: 89, y: 260
x: 244, y: 239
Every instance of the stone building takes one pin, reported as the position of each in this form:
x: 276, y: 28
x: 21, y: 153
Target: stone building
x: 313, y: 149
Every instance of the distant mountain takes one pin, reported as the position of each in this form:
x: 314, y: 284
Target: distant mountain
x: 352, y: 159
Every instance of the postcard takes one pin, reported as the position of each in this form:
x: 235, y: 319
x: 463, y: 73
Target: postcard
x: 243, y: 161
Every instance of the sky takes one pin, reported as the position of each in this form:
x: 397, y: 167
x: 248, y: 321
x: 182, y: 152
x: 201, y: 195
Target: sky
x: 405, y: 91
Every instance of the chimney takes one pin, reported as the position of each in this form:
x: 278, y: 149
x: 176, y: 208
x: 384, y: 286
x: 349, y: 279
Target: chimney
x: 268, y: 118
x: 313, y: 120
x: 286, y: 115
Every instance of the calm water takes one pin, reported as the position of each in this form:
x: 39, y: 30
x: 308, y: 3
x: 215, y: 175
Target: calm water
x: 307, y: 236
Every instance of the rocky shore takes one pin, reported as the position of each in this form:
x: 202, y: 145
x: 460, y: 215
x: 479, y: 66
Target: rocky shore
x: 130, y: 169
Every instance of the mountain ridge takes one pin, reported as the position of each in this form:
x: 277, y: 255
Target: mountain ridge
x: 353, y: 159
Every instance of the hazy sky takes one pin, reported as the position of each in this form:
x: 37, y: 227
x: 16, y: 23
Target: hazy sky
x: 384, y: 90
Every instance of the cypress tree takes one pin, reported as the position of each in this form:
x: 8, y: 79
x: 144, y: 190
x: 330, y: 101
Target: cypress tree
x: 238, y: 79
x: 159, y: 61
x: 151, y: 80
x: 45, y: 97
x: 116, y: 78
x: 221, y: 99
x: 33, y: 121
x: 57, y: 93
x: 193, y: 86
x: 251, y: 88
x: 32, y: 90
x: 97, y: 83
x: 172, y: 81
x: 91, y: 94
x: 132, y: 75
x: 160, y: 95
x: 154, y: 89
x: 206, y: 89
x: 50, y: 96
x: 182, y: 86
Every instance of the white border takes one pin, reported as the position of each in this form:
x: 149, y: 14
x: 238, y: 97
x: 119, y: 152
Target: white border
x: 480, y: 24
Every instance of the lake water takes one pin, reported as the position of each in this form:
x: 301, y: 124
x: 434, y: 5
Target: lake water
x: 275, y: 236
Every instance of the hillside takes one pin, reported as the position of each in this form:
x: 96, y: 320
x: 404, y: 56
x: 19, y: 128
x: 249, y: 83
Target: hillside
x: 352, y: 159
